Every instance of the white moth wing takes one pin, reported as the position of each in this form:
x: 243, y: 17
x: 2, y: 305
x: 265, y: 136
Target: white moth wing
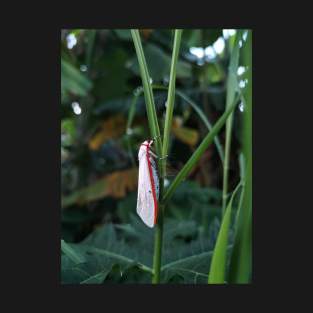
x: 145, y: 203
x: 155, y: 177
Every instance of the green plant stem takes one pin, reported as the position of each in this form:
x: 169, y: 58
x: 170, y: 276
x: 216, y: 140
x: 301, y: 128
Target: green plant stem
x: 158, y: 243
x: 171, y: 96
x: 226, y: 164
x: 232, y: 87
x: 167, y: 127
x: 241, y: 259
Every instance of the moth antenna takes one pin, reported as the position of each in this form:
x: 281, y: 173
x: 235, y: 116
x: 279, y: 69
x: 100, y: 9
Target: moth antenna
x: 153, y: 154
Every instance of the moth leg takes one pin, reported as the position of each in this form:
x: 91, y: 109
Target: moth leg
x: 153, y: 154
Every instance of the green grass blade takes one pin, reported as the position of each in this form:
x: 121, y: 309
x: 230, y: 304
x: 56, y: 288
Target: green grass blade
x: 232, y: 88
x: 241, y: 260
x: 240, y: 266
x: 171, y: 95
x: 155, y: 131
x: 191, y: 163
x: 205, y: 120
x: 132, y: 108
x: 148, y: 93
x: 218, y: 263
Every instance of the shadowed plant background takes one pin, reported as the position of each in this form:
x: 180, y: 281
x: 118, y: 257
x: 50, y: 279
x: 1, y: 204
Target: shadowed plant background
x: 103, y: 123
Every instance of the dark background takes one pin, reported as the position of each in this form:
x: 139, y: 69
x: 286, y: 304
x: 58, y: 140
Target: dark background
x: 39, y: 180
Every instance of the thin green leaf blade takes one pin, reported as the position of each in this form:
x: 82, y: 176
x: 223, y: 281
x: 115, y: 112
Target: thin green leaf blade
x: 191, y: 163
x: 96, y: 279
x: 218, y: 263
x: 200, y: 113
x: 148, y: 93
x: 205, y: 120
x: 171, y: 94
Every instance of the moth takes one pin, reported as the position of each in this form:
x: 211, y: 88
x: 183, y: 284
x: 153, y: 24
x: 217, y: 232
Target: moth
x: 148, y: 185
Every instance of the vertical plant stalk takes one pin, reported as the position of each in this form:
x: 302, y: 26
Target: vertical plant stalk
x: 167, y: 127
x: 148, y: 93
x: 170, y: 98
x: 241, y: 259
x: 158, y: 243
x: 232, y: 87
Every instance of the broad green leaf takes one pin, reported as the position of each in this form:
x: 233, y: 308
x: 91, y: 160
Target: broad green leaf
x: 73, y: 255
x: 130, y: 247
x: 101, y: 250
x: 191, y: 268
